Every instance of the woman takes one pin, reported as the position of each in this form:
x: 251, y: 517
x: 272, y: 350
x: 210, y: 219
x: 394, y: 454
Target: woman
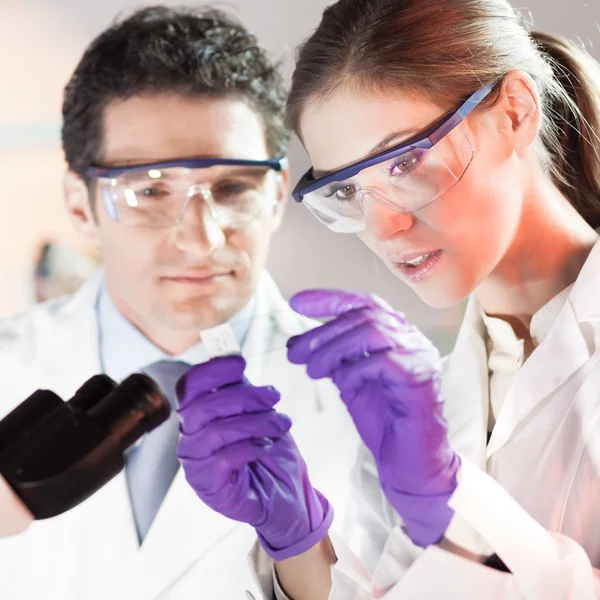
x: 465, y: 153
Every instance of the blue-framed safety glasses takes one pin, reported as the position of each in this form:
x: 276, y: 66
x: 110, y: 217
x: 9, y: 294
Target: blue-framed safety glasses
x: 405, y: 177
x: 158, y: 194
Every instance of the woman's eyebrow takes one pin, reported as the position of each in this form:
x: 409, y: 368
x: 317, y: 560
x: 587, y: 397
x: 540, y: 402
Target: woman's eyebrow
x: 388, y: 140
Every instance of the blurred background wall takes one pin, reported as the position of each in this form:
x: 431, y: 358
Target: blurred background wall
x: 40, y: 43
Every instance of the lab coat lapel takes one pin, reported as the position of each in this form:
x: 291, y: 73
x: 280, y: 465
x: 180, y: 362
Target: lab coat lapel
x: 266, y: 356
x: 466, y: 388
x: 558, y: 357
x: 183, y: 531
x: 585, y: 292
x: 563, y: 352
x: 111, y: 539
x: 274, y: 322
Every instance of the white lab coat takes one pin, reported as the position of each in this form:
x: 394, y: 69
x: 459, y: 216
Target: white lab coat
x: 91, y: 552
x: 532, y: 495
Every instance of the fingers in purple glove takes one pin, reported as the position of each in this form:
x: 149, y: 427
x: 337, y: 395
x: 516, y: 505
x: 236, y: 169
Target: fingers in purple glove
x: 354, y: 336
x: 230, y: 430
x: 301, y: 346
x: 209, y: 475
x: 350, y: 347
x: 390, y: 367
x: 214, y: 374
x: 321, y: 303
x: 226, y: 402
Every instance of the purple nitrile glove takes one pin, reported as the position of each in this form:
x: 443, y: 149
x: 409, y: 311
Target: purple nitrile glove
x: 389, y: 377
x: 239, y: 457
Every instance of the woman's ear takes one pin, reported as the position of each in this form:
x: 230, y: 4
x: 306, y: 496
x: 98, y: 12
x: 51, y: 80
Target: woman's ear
x: 521, y: 109
x: 79, y: 205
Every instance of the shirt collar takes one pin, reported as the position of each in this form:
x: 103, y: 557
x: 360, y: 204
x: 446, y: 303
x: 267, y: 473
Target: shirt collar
x: 124, y: 349
x: 501, y: 334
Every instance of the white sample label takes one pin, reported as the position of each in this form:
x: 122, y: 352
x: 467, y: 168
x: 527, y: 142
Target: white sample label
x: 220, y: 341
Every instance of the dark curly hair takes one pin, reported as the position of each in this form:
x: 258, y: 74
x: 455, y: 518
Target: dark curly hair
x: 194, y: 52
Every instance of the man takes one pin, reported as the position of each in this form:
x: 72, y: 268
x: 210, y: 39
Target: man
x: 174, y: 141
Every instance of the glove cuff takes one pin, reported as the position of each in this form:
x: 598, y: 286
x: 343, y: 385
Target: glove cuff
x: 426, y: 517
x: 315, y: 536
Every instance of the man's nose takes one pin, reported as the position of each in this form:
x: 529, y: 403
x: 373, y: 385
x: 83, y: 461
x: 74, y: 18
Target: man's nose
x: 198, y: 230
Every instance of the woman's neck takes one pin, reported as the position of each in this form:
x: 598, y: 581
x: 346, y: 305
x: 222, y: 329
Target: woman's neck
x: 551, y: 245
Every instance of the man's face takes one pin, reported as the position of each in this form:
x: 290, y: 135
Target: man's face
x: 194, y: 274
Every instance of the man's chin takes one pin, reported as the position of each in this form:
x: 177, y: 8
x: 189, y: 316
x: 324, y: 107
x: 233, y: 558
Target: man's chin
x: 197, y: 316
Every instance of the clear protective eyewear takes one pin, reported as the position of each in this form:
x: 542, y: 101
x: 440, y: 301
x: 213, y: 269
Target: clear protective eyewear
x: 405, y: 177
x: 158, y: 194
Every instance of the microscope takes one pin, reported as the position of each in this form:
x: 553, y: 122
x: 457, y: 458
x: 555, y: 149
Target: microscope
x: 55, y: 454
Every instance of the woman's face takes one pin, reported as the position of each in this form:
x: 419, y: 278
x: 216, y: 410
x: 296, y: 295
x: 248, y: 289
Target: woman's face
x: 467, y: 230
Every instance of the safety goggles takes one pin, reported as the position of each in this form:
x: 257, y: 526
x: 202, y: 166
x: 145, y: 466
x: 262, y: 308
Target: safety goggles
x: 405, y: 177
x: 158, y: 194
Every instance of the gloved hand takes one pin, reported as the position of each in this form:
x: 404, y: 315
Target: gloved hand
x: 239, y: 457
x: 388, y: 374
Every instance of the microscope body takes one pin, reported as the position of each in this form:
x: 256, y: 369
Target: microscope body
x: 55, y: 454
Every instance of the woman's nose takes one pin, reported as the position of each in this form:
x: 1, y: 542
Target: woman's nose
x: 382, y: 220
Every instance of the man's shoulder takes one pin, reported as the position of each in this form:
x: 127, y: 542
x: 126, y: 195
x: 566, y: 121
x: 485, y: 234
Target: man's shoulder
x: 44, y: 322
x: 15, y: 329
x: 50, y: 345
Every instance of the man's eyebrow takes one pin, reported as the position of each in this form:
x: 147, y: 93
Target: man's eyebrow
x: 385, y: 143
x: 143, y: 175
x: 241, y: 171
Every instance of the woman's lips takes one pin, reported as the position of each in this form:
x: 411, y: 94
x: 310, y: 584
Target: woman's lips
x: 421, y: 267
